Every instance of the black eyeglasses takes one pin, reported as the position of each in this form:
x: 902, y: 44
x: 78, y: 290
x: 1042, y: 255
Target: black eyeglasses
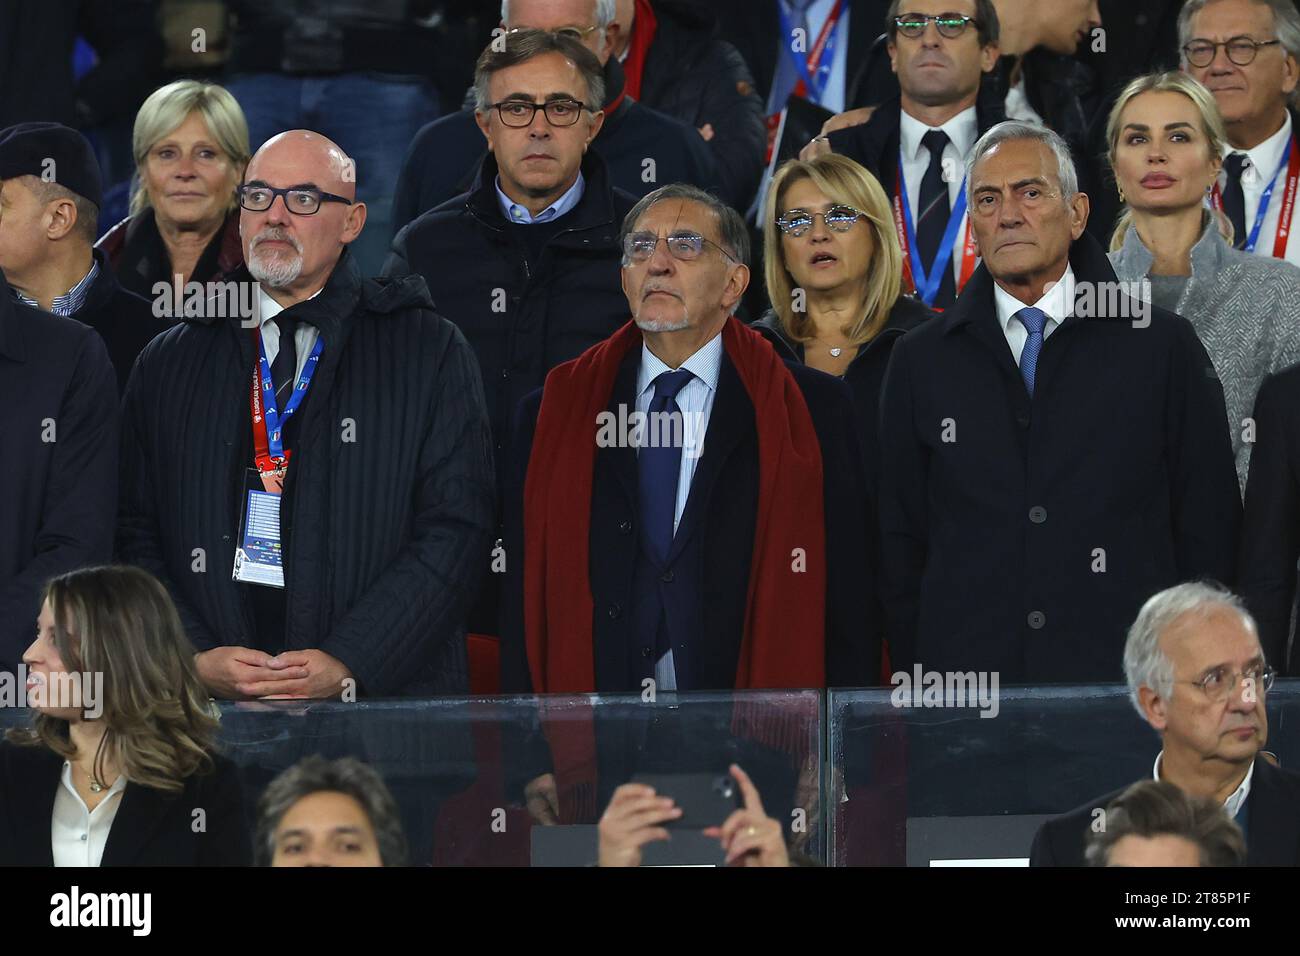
x: 839, y: 218
x: 950, y: 25
x: 520, y: 113
x: 1219, y: 684
x: 686, y: 246
x: 1241, y: 50
x: 299, y: 200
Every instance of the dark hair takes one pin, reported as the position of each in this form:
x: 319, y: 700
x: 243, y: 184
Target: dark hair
x: 347, y: 776
x: 986, y: 21
x: 1154, y: 808
x: 520, y: 46
x: 731, y: 227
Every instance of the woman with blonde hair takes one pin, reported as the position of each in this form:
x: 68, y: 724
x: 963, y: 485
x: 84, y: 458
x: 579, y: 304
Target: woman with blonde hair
x: 834, y: 269
x: 190, y: 144
x: 119, y: 764
x: 1166, y: 139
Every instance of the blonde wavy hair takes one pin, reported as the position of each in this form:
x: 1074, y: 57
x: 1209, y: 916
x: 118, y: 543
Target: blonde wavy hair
x: 167, y: 108
x: 120, y: 622
x: 841, y: 180
x: 1212, y: 127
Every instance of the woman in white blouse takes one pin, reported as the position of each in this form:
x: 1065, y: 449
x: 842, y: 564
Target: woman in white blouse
x: 118, y: 766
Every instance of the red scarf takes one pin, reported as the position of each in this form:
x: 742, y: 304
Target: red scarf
x: 644, y: 25
x: 781, y: 603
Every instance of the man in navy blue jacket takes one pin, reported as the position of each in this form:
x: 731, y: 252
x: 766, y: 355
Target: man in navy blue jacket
x: 1053, y: 452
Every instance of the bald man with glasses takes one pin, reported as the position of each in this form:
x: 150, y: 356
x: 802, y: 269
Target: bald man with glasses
x: 306, y: 458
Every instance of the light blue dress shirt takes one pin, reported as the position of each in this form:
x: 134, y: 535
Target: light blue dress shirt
x: 520, y: 214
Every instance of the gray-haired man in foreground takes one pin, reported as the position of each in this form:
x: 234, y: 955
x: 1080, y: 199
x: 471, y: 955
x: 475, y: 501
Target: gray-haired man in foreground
x: 1197, y: 675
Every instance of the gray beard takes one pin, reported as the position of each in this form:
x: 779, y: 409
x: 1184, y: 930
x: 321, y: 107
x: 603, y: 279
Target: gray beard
x: 275, y: 273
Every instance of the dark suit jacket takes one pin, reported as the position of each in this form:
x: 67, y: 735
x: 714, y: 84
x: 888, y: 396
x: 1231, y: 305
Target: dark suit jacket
x: 723, y: 500
x: 1272, y: 831
x: 1270, y: 534
x: 152, y: 827
x: 1022, y: 535
x: 59, y: 495
x: 124, y: 320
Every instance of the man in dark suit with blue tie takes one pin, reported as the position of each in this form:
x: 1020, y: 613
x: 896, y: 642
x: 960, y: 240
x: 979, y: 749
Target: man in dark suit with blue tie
x: 725, y: 544
x: 1197, y: 674
x: 1053, y: 451
x: 689, y: 513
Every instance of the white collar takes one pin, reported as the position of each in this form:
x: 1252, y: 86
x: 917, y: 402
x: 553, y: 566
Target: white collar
x: 66, y: 778
x: 268, y: 308
x: 962, y: 130
x: 1267, y: 156
x: 1057, y: 303
x: 1235, y: 799
x: 705, y: 365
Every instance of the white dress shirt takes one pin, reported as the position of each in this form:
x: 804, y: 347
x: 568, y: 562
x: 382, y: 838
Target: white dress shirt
x: 1235, y: 799
x: 1017, y: 104
x: 520, y: 214
x: 304, y: 337
x: 78, y: 835
x: 1261, y: 163
x: 963, y: 132
x: 696, y: 403
x: 1057, y: 304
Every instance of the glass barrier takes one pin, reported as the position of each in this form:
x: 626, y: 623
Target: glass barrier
x: 906, y: 778
x: 476, y: 778
x: 916, y: 780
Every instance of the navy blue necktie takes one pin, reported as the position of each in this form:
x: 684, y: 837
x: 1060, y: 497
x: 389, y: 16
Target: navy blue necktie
x: 658, y: 466
x: 1234, y: 198
x: 1033, y: 320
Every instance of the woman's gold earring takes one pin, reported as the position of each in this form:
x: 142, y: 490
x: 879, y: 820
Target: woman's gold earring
x: 1121, y: 193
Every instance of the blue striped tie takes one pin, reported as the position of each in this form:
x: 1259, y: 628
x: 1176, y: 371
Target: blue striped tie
x: 1033, y: 320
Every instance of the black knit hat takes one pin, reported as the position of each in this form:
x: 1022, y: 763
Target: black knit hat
x: 54, y: 153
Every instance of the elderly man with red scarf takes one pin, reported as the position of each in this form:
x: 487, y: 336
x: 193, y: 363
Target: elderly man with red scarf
x: 737, y: 552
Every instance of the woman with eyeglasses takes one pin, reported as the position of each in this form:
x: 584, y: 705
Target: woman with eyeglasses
x: 1166, y: 139
x: 191, y: 146
x: 834, y: 271
x: 119, y: 764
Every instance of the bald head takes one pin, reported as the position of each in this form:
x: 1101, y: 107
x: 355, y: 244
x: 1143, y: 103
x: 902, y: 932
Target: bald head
x: 317, y: 157
x: 290, y: 251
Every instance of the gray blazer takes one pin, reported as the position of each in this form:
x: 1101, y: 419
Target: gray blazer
x: 1246, y: 310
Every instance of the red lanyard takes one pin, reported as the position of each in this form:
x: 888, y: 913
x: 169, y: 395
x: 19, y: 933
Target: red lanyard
x: 1288, y: 204
x: 968, y: 256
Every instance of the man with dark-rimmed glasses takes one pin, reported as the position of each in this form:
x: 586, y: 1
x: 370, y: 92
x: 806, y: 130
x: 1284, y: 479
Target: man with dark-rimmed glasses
x: 1245, y: 52
x: 1197, y: 674
x: 526, y: 264
x: 309, y: 471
